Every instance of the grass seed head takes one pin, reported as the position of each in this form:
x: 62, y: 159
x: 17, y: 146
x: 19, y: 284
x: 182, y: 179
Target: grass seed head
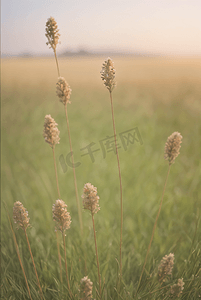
x: 51, y: 132
x: 172, y: 147
x: 165, y: 267
x: 20, y: 215
x: 86, y: 287
x: 61, y: 216
x: 63, y: 90
x: 176, y: 289
x: 108, y: 74
x: 52, y: 33
x: 90, y: 198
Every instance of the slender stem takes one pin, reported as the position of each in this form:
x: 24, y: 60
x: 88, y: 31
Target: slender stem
x: 56, y: 175
x: 75, y: 181
x: 63, y: 234
x: 58, y: 247
x: 41, y: 293
x: 18, y: 252
x: 59, y: 257
x: 96, y: 254
x: 152, y: 236
x: 120, y: 182
x: 55, y: 55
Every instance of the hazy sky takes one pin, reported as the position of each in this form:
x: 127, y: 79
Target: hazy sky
x: 156, y: 26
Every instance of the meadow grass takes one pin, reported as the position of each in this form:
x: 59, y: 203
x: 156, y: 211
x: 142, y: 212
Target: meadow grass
x: 157, y: 95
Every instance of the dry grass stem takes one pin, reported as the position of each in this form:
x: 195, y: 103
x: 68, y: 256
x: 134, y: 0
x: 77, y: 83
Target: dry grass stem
x: 62, y: 219
x: 20, y: 216
x: 74, y: 174
x: 108, y: 77
x: 153, y: 231
x: 51, y: 135
x: 91, y: 202
x: 18, y: 252
x: 172, y: 147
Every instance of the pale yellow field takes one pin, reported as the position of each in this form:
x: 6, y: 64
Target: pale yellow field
x: 87, y: 70
x: 160, y: 79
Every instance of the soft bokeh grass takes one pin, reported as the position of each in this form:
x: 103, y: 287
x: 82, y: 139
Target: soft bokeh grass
x: 157, y: 95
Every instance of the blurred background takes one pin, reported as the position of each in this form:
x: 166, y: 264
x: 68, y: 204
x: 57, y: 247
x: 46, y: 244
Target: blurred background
x: 168, y: 27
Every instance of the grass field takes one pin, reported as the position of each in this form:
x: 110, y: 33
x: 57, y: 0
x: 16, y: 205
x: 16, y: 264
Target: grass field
x: 156, y: 95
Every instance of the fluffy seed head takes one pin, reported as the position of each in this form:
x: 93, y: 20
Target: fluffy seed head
x: 51, y: 132
x: 52, y: 33
x: 108, y: 74
x: 20, y: 215
x: 63, y: 90
x: 172, y: 147
x: 86, y: 287
x: 165, y: 267
x: 61, y: 216
x: 90, y: 198
x: 176, y: 289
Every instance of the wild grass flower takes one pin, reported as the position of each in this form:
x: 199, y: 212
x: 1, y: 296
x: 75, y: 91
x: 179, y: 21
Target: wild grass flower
x: 90, y: 198
x: 63, y: 90
x: 176, y: 289
x: 51, y: 132
x: 86, y: 287
x: 172, y: 147
x: 63, y: 220
x: 52, y: 33
x: 91, y: 202
x: 108, y: 77
x: 17, y: 249
x: 61, y: 216
x: 20, y: 216
x: 51, y: 135
x: 165, y: 267
x: 108, y: 74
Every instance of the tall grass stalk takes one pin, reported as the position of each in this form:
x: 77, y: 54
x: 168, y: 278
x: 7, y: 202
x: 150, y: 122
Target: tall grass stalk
x: 51, y: 135
x: 63, y: 92
x: 74, y: 174
x: 172, y: 148
x: 108, y: 77
x: 120, y: 183
x: 66, y: 268
x: 39, y: 286
x: 21, y: 219
x: 153, y: 231
x: 96, y: 248
x: 57, y: 237
x: 91, y: 202
x: 63, y: 220
x: 17, y: 249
